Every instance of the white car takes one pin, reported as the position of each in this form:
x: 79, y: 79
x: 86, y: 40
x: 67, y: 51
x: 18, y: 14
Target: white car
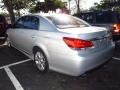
x: 61, y: 42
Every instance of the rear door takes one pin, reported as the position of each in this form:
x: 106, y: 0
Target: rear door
x: 15, y: 32
x: 22, y: 34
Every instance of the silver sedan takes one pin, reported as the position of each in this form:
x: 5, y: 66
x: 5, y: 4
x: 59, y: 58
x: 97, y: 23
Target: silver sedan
x: 61, y: 42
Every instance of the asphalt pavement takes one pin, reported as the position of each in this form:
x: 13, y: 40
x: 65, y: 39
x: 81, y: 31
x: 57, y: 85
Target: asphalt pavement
x: 17, y: 72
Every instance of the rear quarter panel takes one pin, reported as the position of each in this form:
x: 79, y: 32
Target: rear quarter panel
x: 54, y: 47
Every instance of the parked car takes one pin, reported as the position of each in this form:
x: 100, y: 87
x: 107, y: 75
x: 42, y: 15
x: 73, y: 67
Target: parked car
x: 109, y: 19
x: 3, y: 25
x: 61, y: 42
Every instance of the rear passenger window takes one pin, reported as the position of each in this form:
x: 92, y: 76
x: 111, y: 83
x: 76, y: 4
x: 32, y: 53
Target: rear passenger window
x: 20, y: 23
x: 31, y: 23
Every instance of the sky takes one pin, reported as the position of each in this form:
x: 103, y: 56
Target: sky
x: 85, y: 4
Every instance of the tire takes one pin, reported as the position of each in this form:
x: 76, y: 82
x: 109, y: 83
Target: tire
x: 41, y: 61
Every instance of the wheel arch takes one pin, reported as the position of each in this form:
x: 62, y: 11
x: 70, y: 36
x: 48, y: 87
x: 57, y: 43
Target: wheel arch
x: 43, y: 49
x: 35, y: 48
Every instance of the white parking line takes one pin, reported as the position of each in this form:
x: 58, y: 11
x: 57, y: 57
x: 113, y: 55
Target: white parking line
x: 13, y: 79
x: 23, y: 61
x: 116, y: 58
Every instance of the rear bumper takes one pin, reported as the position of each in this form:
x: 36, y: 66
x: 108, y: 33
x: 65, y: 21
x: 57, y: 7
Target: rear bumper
x: 84, y: 64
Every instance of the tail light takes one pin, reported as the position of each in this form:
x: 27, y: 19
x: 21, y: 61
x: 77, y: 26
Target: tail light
x: 116, y: 28
x: 77, y: 43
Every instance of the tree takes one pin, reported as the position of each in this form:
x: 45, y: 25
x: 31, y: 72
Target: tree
x: 107, y: 5
x: 17, y: 5
x: 58, y: 3
x: 9, y: 6
x: 22, y: 4
x: 69, y: 4
x: 78, y: 5
x: 47, y: 5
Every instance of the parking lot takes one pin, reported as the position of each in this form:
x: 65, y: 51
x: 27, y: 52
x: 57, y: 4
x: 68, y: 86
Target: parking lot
x: 17, y: 72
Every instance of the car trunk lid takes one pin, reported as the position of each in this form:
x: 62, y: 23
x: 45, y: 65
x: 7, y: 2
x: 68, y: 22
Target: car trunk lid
x: 100, y: 37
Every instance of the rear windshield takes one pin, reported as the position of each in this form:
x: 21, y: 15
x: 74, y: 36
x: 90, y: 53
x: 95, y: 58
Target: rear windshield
x: 67, y: 21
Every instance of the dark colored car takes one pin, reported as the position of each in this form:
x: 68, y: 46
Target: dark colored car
x: 109, y: 19
x: 3, y: 25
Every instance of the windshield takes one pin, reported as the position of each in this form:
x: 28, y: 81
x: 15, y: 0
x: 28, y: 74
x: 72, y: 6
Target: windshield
x: 66, y: 21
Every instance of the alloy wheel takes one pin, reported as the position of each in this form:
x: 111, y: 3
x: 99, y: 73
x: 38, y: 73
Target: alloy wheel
x: 40, y: 61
